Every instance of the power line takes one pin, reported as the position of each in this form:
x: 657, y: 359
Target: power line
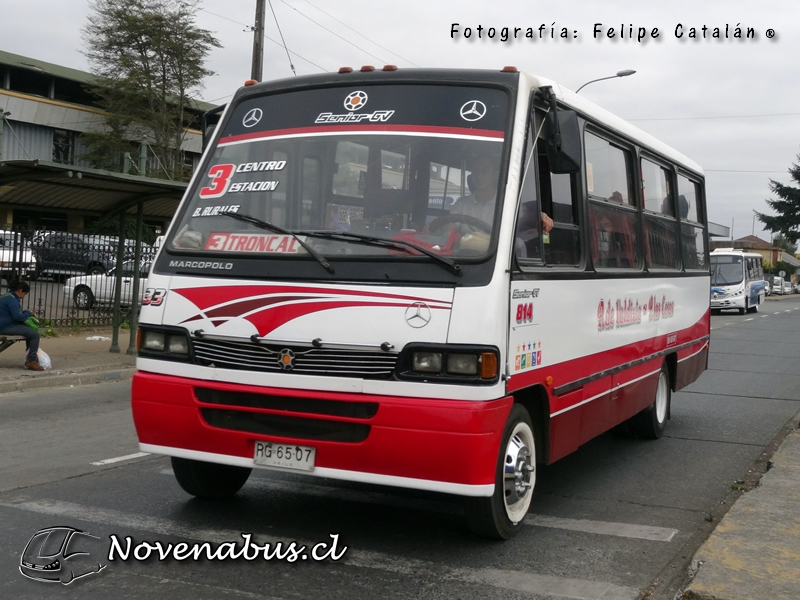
x: 725, y: 117
x: 737, y: 171
x: 277, y: 43
x: 278, y: 25
x: 359, y: 34
x: 333, y: 33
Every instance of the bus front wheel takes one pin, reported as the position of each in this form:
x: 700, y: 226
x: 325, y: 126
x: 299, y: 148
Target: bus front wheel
x: 209, y: 480
x: 650, y: 423
x: 500, y: 516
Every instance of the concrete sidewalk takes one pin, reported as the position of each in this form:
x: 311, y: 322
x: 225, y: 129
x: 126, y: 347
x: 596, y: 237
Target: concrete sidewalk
x: 754, y: 552
x: 77, y: 359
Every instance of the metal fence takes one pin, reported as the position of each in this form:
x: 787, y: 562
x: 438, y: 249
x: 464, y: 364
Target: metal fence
x: 73, y: 277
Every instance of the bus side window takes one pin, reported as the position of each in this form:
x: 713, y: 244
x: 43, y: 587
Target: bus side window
x: 560, y: 202
x: 692, y: 238
x: 612, y: 205
x: 660, y: 223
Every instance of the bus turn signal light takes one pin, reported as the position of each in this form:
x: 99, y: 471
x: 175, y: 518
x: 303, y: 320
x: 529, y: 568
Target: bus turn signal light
x: 488, y: 365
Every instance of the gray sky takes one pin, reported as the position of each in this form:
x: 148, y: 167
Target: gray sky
x: 729, y: 104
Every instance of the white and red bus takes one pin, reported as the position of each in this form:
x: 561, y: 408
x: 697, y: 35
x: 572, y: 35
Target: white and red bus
x: 338, y: 296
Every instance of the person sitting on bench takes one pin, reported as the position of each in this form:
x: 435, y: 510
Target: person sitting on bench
x: 12, y: 318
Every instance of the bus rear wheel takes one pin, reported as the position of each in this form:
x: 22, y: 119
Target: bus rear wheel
x: 501, y: 515
x: 650, y: 423
x: 209, y: 480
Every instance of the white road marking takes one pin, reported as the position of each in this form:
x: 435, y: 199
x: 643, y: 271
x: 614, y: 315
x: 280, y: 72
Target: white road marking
x: 642, y: 532
x: 750, y: 319
x: 109, y: 461
x: 532, y: 583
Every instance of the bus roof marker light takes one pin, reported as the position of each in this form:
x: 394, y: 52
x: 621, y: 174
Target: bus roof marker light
x: 250, y: 82
x: 345, y: 69
x: 389, y: 68
x: 509, y: 69
x: 367, y: 68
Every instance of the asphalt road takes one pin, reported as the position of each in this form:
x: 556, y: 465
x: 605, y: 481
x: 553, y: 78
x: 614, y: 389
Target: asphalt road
x: 619, y: 516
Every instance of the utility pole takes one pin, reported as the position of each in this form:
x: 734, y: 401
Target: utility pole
x: 258, y: 41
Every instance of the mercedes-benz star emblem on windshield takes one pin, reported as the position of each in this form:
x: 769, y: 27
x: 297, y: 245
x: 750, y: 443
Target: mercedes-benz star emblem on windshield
x: 473, y: 110
x: 355, y: 100
x: 252, y: 117
x: 418, y: 315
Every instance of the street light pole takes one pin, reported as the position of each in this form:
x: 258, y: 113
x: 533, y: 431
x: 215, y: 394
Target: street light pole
x: 624, y: 73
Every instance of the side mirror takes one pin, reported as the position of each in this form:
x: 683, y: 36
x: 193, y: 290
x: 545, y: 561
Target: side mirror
x: 563, y: 141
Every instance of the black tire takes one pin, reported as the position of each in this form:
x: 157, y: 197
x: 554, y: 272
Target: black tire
x: 209, y: 480
x: 715, y: 311
x: 650, y: 423
x: 501, y: 515
x: 83, y: 297
x: 95, y: 270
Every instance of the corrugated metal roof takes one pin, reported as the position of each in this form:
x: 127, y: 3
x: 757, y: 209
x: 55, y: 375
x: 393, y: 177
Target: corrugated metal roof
x: 40, y: 66
x: 52, y: 186
x: 25, y: 62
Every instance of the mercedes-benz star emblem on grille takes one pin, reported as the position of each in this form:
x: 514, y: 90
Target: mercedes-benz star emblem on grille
x: 418, y: 315
x: 286, y: 360
x: 473, y: 110
x: 252, y: 117
x: 355, y: 100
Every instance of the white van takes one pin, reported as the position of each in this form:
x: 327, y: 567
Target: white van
x: 777, y: 285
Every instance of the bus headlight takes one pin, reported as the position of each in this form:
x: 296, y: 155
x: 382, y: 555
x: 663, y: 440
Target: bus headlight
x: 178, y: 344
x: 462, y: 364
x: 153, y: 340
x: 426, y: 362
x: 163, y: 343
x: 447, y: 363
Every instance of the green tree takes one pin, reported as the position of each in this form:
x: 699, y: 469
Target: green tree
x: 148, y: 59
x: 787, y: 207
x: 781, y: 242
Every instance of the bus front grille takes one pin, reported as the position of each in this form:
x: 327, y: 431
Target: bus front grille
x: 248, y: 356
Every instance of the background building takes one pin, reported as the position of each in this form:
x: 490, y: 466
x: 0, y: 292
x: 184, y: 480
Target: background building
x: 45, y: 109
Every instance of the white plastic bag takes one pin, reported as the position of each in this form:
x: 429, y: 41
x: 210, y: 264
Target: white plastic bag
x: 44, y: 360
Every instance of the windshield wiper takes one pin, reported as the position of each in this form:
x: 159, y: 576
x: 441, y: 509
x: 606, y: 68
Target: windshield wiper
x: 275, y: 229
x: 376, y: 241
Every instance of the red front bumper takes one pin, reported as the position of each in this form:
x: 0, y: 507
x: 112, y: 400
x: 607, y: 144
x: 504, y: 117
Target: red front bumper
x: 447, y: 441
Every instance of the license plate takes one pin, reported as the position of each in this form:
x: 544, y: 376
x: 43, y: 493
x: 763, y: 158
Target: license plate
x: 285, y: 456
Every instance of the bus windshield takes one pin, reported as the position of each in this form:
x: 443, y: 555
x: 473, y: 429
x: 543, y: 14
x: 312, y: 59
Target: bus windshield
x: 726, y: 270
x: 415, y: 164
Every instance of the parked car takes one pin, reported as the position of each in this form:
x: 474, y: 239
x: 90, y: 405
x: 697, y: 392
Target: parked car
x: 768, y: 288
x: 788, y: 288
x: 62, y: 254
x: 88, y: 290
x: 16, y: 257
